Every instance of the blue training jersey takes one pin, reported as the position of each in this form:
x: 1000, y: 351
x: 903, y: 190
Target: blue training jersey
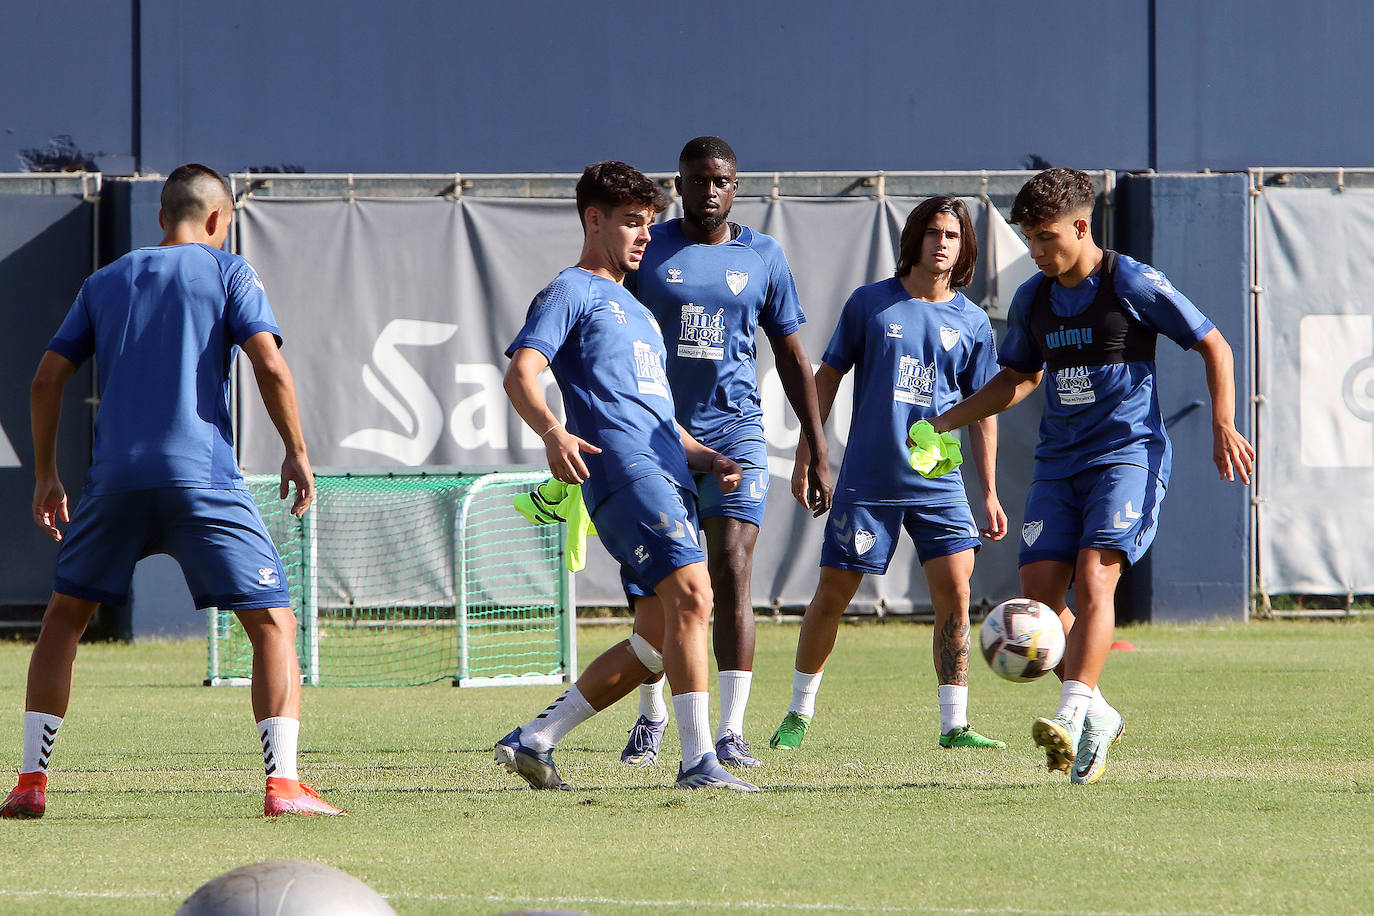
x: 709, y: 301
x: 1109, y: 414
x: 913, y: 360
x: 164, y: 325
x: 606, y: 352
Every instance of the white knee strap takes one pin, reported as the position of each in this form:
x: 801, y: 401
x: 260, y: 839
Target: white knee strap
x: 648, y: 656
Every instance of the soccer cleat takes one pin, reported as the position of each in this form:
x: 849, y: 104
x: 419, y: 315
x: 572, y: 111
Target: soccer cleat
x: 1099, y: 733
x: 733, y: 751
x: 790, y: 733
x: 288, y: 796
x: 27, y: 800
x: 1059, y: 739
x: 965, y: 736
x: 535, y: 767
x: 645, y: 737
x: 709, y: 774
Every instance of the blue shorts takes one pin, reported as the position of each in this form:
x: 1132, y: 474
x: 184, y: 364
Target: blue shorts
x: 1113, y: 507
x: 216, y: 535
x: 650, y: 526
x: 750, y: 498
x: 862, y: 538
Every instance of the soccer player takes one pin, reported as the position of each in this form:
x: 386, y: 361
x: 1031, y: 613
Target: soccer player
x: 164, y: 325
x: 1090, y: 318
x: 634, y: 464
x: 712, y: 283
x: 918, y: 346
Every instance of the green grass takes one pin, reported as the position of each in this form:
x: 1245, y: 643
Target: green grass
x: 1244, y: 785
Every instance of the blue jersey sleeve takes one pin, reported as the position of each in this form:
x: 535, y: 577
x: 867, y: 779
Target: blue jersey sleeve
x: 247, y: 309
x: 75, y: 339
x: 1156, y: 303
x: 782, y: 313
x: 847, y: 343
x: 550, y: 319
x: 1019, y: 351
x: 982, y: 363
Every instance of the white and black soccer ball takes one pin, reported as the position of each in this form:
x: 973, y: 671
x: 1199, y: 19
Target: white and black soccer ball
x: 1022, y: 639
x: 285, y: 887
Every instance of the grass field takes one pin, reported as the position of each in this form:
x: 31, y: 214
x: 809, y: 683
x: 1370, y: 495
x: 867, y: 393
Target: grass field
x: 1244, y: 785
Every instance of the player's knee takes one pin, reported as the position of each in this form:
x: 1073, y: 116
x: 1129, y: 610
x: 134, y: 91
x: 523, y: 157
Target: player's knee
x: 648, y: 656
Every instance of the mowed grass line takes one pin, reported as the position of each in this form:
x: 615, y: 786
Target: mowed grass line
x: 1245, y: 785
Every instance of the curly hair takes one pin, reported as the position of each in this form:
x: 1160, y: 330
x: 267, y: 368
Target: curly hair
x: 913, y: 234
x: 1051, y: 194
x: 607, y: 185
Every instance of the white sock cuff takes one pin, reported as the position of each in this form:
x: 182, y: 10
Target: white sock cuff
x: 693, y: 726
x: 804, y: 689
x: 280, y: 742
x: 40, y: 731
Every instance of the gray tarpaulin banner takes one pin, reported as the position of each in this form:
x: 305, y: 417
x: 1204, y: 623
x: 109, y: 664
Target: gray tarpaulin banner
x: 396, y: 313
x: 1315, y: 331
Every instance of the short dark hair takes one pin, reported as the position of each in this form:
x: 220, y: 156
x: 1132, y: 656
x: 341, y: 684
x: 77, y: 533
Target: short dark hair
x: 192, y: 191
x: 699, y: 148
x: 1051, y: 194
x: 607, y: 185
x: 913, y: 233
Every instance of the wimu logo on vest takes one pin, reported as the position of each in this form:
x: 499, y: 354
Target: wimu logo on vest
x: 1068, y: 337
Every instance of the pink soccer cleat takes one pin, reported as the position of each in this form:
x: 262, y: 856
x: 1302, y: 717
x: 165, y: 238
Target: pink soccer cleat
x: 287, y: 796
x: 27, y: 800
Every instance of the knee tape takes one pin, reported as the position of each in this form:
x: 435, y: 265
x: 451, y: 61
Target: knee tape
x: 648, y: 656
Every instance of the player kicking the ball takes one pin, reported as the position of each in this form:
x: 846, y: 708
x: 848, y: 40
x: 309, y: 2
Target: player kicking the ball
x: 712, y: 283
x: 634, y: 463
x: 1091, y: 318
x: 164, y: 324
x: 918, y: 345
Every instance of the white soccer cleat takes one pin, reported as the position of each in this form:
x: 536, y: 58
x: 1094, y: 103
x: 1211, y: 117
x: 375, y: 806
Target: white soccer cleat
x: 1059, y: 739
x: 1099, y: 733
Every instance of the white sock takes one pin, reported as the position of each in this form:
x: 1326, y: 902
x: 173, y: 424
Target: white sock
x: 804, y: 689
x: 734, y: 697
x: 953, y: 706
x: 651, y: 703
x: 1073, y: 701
x: 1098, y: 706
x: 40, y: 731
x: 545, y: 730
x: 280, y: 739
x: 693, y: 726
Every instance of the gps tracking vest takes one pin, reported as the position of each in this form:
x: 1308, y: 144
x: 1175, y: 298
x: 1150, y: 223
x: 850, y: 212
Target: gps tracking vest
x: 1104, y: 334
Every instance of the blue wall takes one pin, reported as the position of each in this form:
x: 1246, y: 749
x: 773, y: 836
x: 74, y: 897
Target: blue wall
x: 430, y: 86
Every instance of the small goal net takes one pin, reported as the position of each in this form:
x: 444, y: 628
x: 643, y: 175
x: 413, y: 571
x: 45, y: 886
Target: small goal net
x: 412, y: 577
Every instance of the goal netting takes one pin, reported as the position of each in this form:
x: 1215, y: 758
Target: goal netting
x: 412, y: 577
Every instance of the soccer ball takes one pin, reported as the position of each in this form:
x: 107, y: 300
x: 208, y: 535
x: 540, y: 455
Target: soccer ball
x: 285, y: 887
x: 1022, y: 639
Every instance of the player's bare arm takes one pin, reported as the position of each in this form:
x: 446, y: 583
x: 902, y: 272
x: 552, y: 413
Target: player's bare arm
x: 707, y: 460
x: 562, y: 448
x: 45, y: 410
x: 1231, y: 452
x: 1004, y: 390
x: 983, y: 441
x: 278, y: 390
x: 828, y: 380
x: 794, y: 370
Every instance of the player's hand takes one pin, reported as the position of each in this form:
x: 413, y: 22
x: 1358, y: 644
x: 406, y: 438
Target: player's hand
x: 564, y: 451
x: 997, y: 519
x: 1232, y: 454
x: 296, y: 469
x: 819, y: 490
x: 50, y: 506
x: 727, y: 473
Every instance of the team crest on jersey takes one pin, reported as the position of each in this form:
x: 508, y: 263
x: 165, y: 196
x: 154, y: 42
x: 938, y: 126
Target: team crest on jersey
x: 649, y: 370
x: 863, y: 541
x: 701, y: 335
x: 736, y: 280
x: 915, y: 382
x: 894, y: 330
x: 674, y: 275
x: 1074, y: 386
x: 1030, y: 532
x: 617, y: 311
x: 948, y: 337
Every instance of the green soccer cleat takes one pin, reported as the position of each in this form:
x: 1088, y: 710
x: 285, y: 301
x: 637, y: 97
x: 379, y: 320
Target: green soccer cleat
x: 790, y: 733
x: 965, y: 736
x: 1099, y: 733
x: 1059, y: 739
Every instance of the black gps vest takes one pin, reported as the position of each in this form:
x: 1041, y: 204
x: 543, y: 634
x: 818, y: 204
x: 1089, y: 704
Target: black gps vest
x: 1104, y: 334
